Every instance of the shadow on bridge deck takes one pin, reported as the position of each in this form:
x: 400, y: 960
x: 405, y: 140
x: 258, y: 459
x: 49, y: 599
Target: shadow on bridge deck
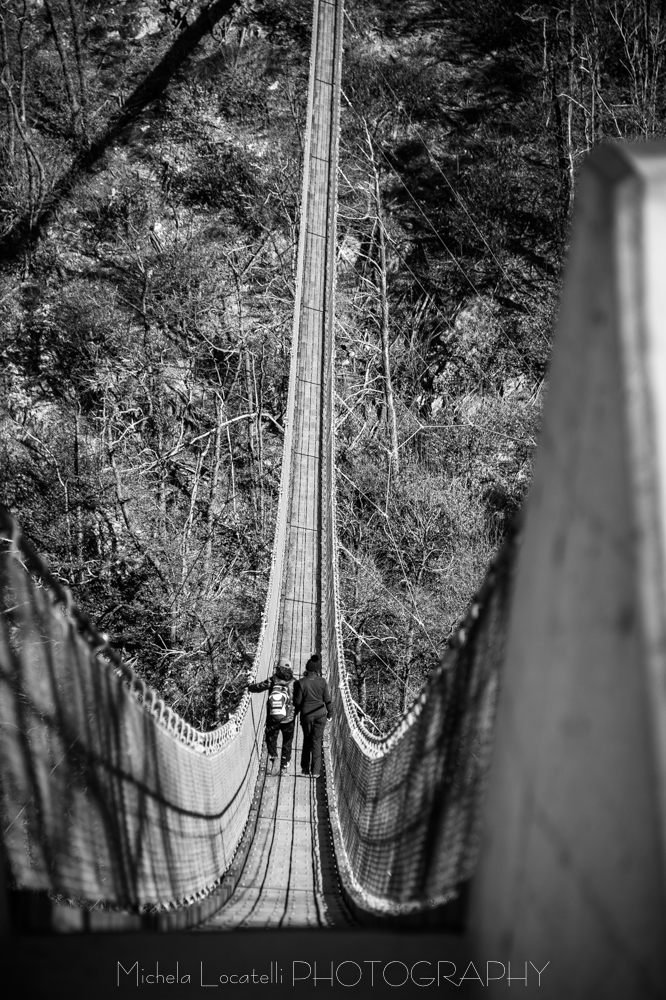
x: 289, y: 877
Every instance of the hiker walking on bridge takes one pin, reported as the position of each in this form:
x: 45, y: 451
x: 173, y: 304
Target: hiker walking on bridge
x: 312, y: 698
x: 280, y: 715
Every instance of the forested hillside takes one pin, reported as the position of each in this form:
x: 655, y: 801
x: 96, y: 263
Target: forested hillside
x: 150, y: 164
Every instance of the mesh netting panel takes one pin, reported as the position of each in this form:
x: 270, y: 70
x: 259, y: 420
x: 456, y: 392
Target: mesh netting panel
x: 405, y: 809
x: 105, y: 792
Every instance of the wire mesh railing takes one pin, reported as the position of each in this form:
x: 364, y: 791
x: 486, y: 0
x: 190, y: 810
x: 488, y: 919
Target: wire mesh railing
x: 106, y: 792
x: 405, y: 808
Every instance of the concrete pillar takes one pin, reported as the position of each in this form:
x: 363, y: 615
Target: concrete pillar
x: 573, y: 858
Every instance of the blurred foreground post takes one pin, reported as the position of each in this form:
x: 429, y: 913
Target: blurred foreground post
x: 573, y: 859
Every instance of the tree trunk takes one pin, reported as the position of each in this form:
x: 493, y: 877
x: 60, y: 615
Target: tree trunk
x: 79, y: 513
x: 570, y: 106
x: 79, y: 61
x: 559, y: 140
x: 380, y: 271
x: 407, y: 667
x: 74, y: 103
x: 214, y: 482
x: 388, y: 384
x: 7, y: 74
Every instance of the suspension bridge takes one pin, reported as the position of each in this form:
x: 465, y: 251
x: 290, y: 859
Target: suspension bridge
x: 170, y: 817
x: 108, y: 795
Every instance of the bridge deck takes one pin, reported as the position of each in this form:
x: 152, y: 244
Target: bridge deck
x: 287, y: 877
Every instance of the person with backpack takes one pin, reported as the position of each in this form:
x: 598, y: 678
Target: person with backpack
x: 312, y: 698
x: 280, y: 715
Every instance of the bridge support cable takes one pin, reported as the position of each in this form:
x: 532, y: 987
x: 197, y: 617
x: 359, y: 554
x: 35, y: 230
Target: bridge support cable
x: 405, y: 808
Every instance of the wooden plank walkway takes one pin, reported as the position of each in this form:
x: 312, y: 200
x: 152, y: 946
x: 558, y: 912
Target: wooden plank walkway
x: 289, y: 874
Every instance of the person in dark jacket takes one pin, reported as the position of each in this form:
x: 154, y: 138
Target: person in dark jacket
x: 312, y: 698
x: 280, y: 715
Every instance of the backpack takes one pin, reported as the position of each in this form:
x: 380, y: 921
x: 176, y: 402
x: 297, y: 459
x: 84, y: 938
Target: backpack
x: 278, y: 703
